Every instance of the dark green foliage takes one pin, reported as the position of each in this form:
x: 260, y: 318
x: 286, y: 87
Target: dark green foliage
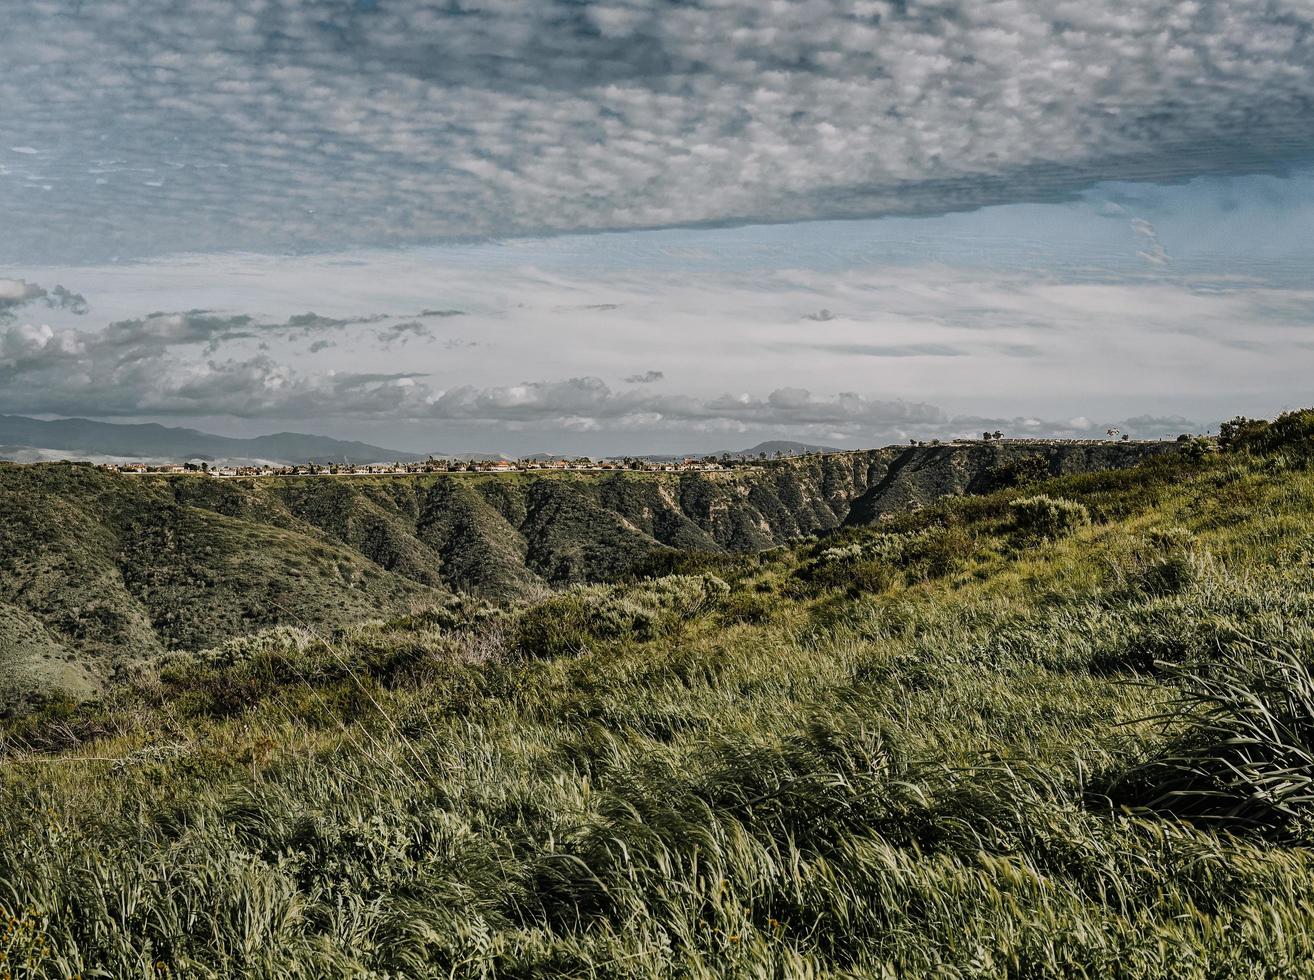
x: 1291, y: 432
x: 1242, y: 433
x: 752, y: 606
x: 1198, y: 448
x: 1048, y: 517
x: 1012, y: 473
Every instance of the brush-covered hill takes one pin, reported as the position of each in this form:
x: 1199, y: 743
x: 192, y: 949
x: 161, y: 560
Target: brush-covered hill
x: 100, y: 570
x: 1063, y: 729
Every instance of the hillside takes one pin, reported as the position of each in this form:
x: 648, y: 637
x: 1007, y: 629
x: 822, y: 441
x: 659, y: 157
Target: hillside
x: 99, y: 571
x: 1063, y: 729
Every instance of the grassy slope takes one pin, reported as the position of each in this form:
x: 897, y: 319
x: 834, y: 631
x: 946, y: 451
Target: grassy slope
x: 115, y: 569
x: 902, y: 751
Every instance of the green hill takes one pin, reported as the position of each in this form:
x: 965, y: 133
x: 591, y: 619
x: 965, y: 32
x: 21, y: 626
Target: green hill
x: 116, y: 569
x: 1064, y: 728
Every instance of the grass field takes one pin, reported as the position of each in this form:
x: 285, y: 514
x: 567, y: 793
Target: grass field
x: 1064, y: 730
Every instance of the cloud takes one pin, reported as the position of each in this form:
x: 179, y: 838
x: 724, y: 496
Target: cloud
x: 45, y: 371
x: 152, y: 335
x: 16, y: 293
x: 1154, y: 252
x: 587, y: 403
x: 892, y: 350
x: 401, y: 333
x: 821, y: 316
x: 276, y: 124
x: 29, y: 348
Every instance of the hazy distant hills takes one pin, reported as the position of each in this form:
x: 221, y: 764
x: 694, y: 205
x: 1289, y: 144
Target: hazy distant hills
x: 783, y: 446
x: 28, y: 440
x: 150, y: 441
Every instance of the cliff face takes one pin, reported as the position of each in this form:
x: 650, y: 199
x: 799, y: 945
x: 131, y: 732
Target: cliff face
x: 918, y: 476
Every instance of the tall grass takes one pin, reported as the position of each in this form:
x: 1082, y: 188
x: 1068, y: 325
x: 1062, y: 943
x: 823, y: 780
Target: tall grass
x: 1082, y: 755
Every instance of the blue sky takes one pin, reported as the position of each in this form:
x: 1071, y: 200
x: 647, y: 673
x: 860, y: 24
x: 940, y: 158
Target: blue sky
x: 610, y: 226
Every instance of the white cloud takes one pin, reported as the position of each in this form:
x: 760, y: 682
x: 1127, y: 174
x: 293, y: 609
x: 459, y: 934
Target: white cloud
x: 277, y: 124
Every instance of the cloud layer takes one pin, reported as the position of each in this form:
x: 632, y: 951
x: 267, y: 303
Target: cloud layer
x: 152, y: 126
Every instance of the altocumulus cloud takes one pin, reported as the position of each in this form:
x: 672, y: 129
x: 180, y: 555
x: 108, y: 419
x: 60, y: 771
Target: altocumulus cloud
x: 278, y: 124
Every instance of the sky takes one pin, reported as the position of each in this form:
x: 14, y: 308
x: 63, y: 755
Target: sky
x: 656, y: 226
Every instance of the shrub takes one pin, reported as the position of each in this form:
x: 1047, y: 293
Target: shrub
x: 869, y: 565
x: 241, y: 649
x: 1048, y: 517
x: 1292, y: 431
x: 748, y: 606
x: 567, y: 623
x: 1198, y: 448
x: 1245, y: 753
x: 1162, y: 563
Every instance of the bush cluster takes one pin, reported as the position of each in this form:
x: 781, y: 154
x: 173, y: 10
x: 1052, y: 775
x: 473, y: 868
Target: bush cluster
x: 570, y: 622
x: 1291, y: 432
x: 1042, y: 516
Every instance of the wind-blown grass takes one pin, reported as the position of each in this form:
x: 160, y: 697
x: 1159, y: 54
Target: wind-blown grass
x: 959, y: 768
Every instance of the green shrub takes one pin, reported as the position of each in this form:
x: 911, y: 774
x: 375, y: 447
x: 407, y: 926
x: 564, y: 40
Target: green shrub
x: 1048, y: 517
x: 1291, y: 431
x: 240, y: 649
x: 1162, y: 563
x: 1198, y: 448
x: 748, y: 606
x: 569, y: 622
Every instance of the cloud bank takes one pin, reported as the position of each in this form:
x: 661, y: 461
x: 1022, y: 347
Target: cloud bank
x: 278, y: 124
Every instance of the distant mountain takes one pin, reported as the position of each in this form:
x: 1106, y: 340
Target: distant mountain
x: 97, y: 440
x: 784, y: 447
